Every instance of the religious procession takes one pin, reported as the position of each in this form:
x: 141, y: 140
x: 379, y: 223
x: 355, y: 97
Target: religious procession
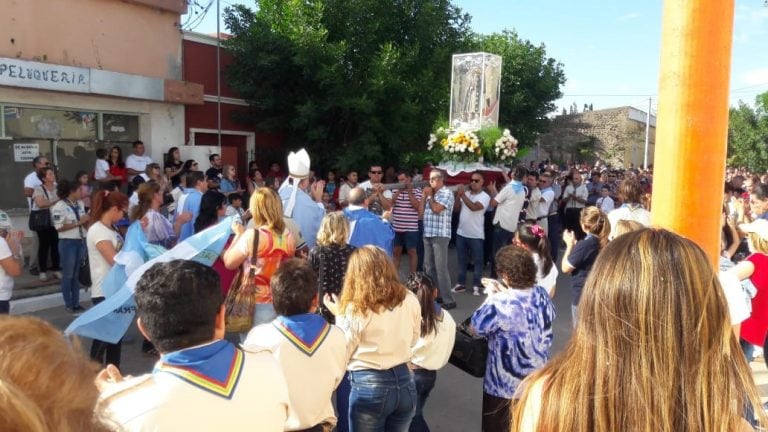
x: 369, y: 217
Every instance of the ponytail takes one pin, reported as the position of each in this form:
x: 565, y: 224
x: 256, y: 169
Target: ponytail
x: 421, y: 285
x: 534, y: 238
x: 103, y: 200
x: 595, y: 222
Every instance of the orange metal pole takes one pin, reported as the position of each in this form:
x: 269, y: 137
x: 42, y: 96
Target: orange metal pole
x: 692, y: 125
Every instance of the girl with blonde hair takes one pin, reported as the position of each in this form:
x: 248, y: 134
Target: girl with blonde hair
x: 382, y: 321
x: 580, y: 256
x: 276, y: 244
x: 755, y: 269
x: 46, y: 381
x: 329, y: 257
x: 652, y: 350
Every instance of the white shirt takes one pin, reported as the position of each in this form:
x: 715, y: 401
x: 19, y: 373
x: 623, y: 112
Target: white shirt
x: 382, y: 340
x: 164, y: 402
x: 547, y: 196
x: 344, y: 192
x: 739, y: 304
x: 367, y: 185
x: 101, y: 170
x: 63, y: 214
x: 99, y: 266
x: 137, y: 163
x: 6, y: 282
x: 31, y: 181
x: 41, y: 191
x: 532, y: 211
x: 549, y: 280
x: 311, y: 379
x: 605, y: 204
x: 508, y: 210
x: 472, y: 222
x: 432, y: 351
x: 578, y: 192
x: 626, y: 212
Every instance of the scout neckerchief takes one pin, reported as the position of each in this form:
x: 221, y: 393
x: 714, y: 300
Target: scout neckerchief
x: 76, y: 208
x: 215, y: 367
x: 306, y: 331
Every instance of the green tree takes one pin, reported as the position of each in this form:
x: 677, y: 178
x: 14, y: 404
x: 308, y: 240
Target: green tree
x: 748, y: 135
x: 356, y: 81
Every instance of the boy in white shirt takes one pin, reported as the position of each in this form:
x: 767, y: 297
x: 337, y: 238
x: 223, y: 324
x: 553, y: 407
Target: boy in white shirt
x: 605, y: 202
x: 311, y: 352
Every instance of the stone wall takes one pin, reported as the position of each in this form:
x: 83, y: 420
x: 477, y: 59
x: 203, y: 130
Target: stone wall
x: 609, y: 134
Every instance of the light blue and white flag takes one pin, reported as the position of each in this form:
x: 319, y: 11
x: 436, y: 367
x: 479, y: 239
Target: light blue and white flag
x: 109, y: 320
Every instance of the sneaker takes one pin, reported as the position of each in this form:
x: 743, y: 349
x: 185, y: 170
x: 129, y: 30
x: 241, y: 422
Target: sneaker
x: 34, y: 271
x: 476, y: 291
x: 43, y: 277
x: 74, y: 311
x: 449, y: 306
x: 58, y: 275
x: 458, y: 288
x: 79, y: 308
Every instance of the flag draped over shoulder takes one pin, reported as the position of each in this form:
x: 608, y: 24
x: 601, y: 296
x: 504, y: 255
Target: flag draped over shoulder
x: 109, y: 320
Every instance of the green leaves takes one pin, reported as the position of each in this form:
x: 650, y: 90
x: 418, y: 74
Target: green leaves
x: 363, y: 81
x: 748, y: 135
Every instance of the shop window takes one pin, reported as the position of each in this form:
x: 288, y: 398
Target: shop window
x: 46, y: 123
x: 119, y: 127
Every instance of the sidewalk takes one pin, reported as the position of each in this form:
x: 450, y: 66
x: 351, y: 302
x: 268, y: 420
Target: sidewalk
x: 27, y: 285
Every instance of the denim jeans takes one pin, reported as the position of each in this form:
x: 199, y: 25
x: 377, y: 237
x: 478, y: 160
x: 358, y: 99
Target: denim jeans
x: 425, y: 382
x: 382, y: 400
x: 436, y: 265
x: 501, y: 238
x: 420, y: 248
x: 71, y: 252
x: 475, y: 247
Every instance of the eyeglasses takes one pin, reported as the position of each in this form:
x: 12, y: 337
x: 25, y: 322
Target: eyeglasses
x: 476, y: 180
x: 375, y: 172
x: 434, y: 178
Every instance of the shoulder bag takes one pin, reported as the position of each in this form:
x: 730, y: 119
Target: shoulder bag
x: 469, y: 351
x: 240, y: 302
x: 40, y: 220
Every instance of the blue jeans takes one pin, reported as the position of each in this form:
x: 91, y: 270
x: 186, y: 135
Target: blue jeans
x: 71, y: 253
x: 501, y: 238
x: 381, y: 400
x: 425, y: 382
x: 475, y: 247
x: 420, y: 248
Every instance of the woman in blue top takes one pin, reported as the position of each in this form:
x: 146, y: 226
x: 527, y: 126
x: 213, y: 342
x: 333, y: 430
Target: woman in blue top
x: 579, y: 256
x: 517, y: 321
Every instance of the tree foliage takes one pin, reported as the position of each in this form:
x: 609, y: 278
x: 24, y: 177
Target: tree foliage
x: 358, y: 81
x: 748, y: 135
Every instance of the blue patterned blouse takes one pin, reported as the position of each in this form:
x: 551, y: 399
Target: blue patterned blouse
x: 518, y: 326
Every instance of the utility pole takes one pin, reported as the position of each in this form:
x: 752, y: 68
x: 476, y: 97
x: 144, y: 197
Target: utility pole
x: 218, y: 73
x: 647, y: 135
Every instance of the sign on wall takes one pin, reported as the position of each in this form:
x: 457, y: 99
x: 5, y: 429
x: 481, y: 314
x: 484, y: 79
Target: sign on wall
x: 44, y: 76
x: 25, y: 152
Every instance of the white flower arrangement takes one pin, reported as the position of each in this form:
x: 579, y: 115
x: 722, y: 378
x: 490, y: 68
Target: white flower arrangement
x: 505, y: 147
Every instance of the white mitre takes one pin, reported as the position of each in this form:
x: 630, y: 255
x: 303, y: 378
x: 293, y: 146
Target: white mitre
x: 298, y: 169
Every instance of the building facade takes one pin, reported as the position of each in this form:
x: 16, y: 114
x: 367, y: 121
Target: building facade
x: 78, y: 75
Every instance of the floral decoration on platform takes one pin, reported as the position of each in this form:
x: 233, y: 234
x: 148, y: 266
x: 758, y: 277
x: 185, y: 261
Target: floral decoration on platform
x: 489, y: 145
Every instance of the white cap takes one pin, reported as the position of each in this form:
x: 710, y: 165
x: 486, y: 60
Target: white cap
x: 759, y: 227
x: 5, y: 221
x: 298, y: 164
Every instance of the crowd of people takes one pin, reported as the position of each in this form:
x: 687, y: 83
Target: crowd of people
x: 339, y: 340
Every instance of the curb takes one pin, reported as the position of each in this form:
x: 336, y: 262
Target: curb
x: 38, y: 303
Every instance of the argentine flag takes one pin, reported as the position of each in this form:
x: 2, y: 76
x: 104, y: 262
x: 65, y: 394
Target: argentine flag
x: 109, y: 320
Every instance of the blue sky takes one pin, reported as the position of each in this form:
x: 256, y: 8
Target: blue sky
x: 609, y: 49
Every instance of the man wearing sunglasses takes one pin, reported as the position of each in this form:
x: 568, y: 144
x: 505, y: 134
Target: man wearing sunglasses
x: 437, y: 207
x: 379, y: 199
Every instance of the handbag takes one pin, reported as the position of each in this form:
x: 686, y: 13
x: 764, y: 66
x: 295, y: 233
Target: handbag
x: 84, y: 277
x: 40, y: 220
x: 241, y: 299
x: 469, y: 351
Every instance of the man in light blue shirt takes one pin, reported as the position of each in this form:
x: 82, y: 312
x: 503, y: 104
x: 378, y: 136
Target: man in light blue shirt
x: 194, y: 194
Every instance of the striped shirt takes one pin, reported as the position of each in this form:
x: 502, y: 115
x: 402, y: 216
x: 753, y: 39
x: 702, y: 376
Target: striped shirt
x: 405, y: 218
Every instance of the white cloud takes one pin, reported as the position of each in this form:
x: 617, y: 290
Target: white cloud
x: 629, y: 17
x: 755, y: 77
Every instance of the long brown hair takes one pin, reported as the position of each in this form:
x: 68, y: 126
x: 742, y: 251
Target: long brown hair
x: 102, y: 201
x: 421, y: 284
x: 46, y: 380
x: 653, y: 349
x: 595, y: 222
x: 371, y: 282
x: 146, y: 193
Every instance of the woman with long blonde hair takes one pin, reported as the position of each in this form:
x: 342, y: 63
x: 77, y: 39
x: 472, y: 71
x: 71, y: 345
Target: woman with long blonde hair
x: 276, y: 244
x: 653, y: 349
x: 329, y: 257
x: 382, y: 321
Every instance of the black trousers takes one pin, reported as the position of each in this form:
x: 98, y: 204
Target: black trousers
x: 104, y: 352
x: 496, y: 413
x: 49, y: 244
x: 573, y: 222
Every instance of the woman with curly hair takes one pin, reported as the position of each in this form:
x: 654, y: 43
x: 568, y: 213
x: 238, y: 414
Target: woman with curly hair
x: 382, y: 321
x: 653, y: 349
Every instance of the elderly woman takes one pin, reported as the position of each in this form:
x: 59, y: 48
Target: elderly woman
x: 229, y: 182
x: 516, y: 318
x: 653, y: 349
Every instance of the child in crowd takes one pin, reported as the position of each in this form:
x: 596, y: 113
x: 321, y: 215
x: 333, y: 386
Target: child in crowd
x: 235, y: 208
x: 311, y: 352
x: 85, y: 189
x: 433, y: 349
x: 579, y: 256
x: 330, y: 256
x: 533, y: 238
x: 517, y: 320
